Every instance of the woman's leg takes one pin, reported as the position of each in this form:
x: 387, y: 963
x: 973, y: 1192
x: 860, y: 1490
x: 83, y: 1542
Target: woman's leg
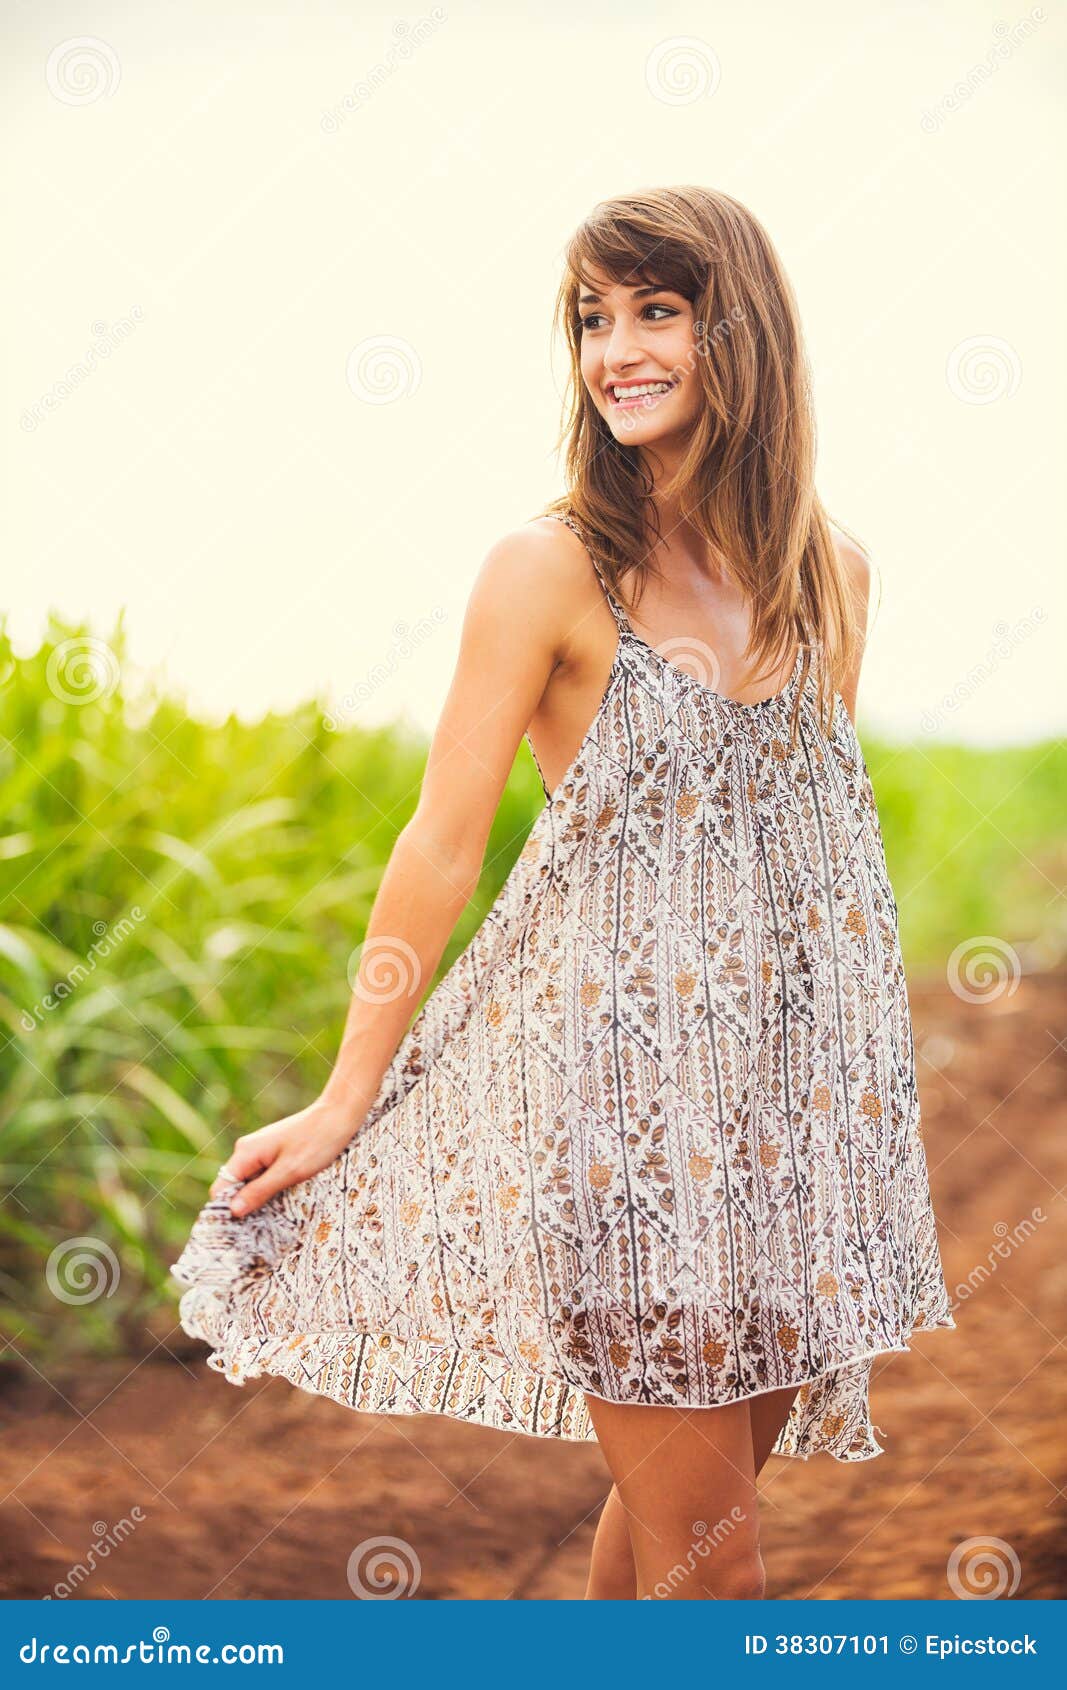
x: 612, y: 1573
x: 686, y: 1487
x: 769, y: 1413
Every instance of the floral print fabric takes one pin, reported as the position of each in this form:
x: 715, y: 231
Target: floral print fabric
x: 655, y: 1136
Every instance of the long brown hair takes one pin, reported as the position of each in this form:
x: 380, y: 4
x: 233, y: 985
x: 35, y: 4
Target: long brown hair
x: 746, y: 481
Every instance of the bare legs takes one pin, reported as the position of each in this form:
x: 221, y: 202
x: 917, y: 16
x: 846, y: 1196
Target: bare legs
x: 681, y: 1519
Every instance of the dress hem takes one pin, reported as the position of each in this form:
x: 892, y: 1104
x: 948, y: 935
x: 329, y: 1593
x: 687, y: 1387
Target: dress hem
x: 242, y: 1357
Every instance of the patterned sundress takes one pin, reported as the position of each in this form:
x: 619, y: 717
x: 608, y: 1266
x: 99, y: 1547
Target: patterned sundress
x: 655, y: 1135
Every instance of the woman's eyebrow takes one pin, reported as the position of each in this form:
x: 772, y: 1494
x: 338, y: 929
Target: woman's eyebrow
x: 638, y: 293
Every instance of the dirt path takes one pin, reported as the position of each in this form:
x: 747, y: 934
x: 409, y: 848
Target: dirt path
x: 265, y: 1491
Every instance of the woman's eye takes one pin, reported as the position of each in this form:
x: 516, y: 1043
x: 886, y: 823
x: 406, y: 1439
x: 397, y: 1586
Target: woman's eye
x: 595, y: 316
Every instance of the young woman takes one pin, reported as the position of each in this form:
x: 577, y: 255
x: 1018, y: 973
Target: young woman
x: 647, y: 1165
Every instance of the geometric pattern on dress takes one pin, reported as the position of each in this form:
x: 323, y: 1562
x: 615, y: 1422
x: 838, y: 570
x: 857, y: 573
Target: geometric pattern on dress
x: 655, y: 1136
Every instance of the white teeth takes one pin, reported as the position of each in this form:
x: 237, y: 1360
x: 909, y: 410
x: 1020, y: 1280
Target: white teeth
x: 648, y: 387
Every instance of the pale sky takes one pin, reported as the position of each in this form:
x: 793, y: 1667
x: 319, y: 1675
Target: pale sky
x: 278, y: 314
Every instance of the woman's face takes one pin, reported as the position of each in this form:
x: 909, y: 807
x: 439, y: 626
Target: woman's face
x: 639, y: 360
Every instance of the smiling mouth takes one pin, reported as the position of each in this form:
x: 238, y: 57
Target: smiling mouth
x: 630, y: 395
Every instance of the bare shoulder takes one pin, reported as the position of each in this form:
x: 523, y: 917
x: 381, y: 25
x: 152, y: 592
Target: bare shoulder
x: 536, y: 576
x: 856, y: 561
x: 857, y: 567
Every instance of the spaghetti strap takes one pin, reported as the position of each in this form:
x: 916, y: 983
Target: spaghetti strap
x: 655, y: 1136
x: 616, y: 608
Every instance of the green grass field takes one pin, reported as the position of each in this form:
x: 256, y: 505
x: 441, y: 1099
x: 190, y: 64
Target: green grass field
x: 180, y: 904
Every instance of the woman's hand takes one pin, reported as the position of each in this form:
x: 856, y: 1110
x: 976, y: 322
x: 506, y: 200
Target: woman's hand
x: 284, y: 1153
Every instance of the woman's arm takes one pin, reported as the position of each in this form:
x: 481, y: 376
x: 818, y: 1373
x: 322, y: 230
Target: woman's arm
x: 514, y: 631
x: 858, y: 568
x: 509, y: 646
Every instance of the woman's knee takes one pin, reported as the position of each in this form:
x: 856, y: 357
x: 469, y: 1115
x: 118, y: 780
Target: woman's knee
x: 725, y: 1573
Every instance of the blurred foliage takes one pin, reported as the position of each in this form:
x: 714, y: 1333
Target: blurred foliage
x: 180, y: 904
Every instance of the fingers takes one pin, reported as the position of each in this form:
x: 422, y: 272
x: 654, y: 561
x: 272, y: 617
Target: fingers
x: 256, y: 1193
x: 244, y: 1160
